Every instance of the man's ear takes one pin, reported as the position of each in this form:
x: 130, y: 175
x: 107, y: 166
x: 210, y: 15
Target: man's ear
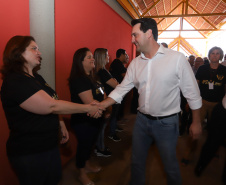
x: 149, y: 33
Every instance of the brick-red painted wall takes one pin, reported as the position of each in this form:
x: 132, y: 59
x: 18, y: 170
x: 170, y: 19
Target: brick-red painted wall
x: 92, y: 24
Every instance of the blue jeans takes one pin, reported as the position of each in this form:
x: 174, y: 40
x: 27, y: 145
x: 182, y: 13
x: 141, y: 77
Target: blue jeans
x: 165, y: 133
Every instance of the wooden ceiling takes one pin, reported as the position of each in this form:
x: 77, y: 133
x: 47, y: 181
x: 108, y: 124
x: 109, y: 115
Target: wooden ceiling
x: 205, y: 16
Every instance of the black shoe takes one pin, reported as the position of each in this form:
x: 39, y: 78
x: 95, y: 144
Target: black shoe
x: 105, y: 153
x: 118, y: 129
x: 114, y: 138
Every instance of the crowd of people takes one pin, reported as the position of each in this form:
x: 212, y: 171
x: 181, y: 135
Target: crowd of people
x: 175, y: 96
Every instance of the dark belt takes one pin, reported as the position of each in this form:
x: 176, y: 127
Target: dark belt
x: 156, y: 118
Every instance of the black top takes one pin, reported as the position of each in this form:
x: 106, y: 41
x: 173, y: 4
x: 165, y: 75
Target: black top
x: 117, y: 69
x: 206, y: 75
x: 218, y: 118
x: 29, y: 132
x: 104, y: 77
x: 78, y: 86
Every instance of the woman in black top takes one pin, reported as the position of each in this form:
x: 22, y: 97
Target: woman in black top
x: 105, y: 77
x: 216, y: 137
x: 84, y: 89
x: 31, y: 107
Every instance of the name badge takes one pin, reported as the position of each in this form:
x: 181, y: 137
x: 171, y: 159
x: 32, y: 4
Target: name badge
x: 211, y: 85
x: 101, y: 90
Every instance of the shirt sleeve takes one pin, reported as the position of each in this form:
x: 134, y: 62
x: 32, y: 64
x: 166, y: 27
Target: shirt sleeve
x: 80, y: 85
x: 20, y: 87
x: 104, y: 75
x: 127, y: 84
x: 188, y: 84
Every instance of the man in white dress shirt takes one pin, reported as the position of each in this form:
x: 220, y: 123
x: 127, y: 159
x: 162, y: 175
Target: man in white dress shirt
x: 159, y: 74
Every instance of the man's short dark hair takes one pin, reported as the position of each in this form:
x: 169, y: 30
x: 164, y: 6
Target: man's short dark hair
x: 120, y: 52
x: 146, y: 24
x: 164, y: 44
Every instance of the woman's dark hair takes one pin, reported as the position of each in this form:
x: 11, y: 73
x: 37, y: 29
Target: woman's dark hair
x: 77, y: 69
x: 13, y: 61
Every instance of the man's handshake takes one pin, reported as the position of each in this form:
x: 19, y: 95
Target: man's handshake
x: 96, y: 110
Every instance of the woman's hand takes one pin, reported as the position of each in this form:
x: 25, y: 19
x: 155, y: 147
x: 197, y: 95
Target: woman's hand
x: 64, y: 132
x: 96, y: 110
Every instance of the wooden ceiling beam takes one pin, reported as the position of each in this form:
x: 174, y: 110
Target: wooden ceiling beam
x: 170, y: 12
x: 164, y: 10
x: 135, y: 8
x: 201, y: 15
x: 186, y: 7
x: 196, y: 30
x: 150, y: 8
x: 189, y: 46
x: 183, y: 37
x: 167, y: 26
x: 129, y: 9
x: 188, y: 15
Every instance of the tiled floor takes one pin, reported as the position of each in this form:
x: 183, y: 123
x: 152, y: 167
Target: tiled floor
x: 116, y: 169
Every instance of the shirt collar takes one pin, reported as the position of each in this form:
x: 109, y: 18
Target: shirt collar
x: 161, y: 50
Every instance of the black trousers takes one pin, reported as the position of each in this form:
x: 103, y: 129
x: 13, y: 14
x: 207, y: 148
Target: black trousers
x: 42, y: 168
x: 216, y: 137
x: 87, y: 137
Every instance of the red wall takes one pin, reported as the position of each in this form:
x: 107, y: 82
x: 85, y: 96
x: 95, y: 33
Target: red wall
x: 89, y: 23
x: 14, y: 20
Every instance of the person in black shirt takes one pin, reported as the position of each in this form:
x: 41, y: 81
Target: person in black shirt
x: 85, y: 89
x: 211, y: 79
x: 31, y: 108
x: 118, y: 71
x: 212, y: 82
x: 103, y: 75
x: 216, y: 137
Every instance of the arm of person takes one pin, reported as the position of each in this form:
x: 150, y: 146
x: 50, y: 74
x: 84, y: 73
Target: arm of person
x: 87, y: 98
x: 190, y: 90
x: 64, y: 131
x: 42, y: 103
x: 195, y: 129
x: 112, y: 82
x: 224, y: 101
x: 107, y: 102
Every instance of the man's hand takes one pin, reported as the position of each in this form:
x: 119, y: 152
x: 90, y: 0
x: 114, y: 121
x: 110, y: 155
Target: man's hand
x: 196, y: 127
x: 195, y: 130
x: 96, y: 110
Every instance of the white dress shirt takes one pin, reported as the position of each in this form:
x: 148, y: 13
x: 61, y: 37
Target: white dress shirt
x: 159, y: 81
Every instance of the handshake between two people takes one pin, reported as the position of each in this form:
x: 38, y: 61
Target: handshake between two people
x: 96, y: 109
